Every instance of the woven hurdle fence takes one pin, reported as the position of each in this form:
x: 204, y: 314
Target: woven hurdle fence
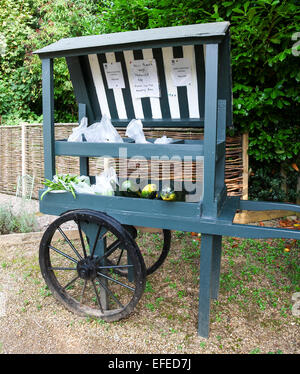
x: 21, y: 153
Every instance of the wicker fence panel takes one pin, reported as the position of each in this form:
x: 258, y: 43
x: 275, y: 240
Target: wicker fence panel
x: 11, y: 158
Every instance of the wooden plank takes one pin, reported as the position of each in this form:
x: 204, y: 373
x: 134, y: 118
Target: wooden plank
x: 166, y: 34
x: 83, y: 161
x: 245, y: 143
x: 81, y: 90
x: 257, y: 216
x: 48, y: 118
x: 225, y: 79
x: 205, y: 284
x: 111, y: 58
x: 126, y: 150
x: 165, y: 122
x: 181, y: 90
x: 164, y: 102
x: 154, y: 101
x: 99, y: 85
x: 148, y: 229
x: 200, y: 69
x: 210, y: 129
x: 192, y: 89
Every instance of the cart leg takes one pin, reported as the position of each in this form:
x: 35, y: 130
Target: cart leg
x: 100, y: 250
x: 209, y: 279
x: 216, y: 264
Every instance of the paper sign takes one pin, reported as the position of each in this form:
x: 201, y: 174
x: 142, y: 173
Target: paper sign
x: 181, y: 72
x: 145, y: 78
x: 114, y: 75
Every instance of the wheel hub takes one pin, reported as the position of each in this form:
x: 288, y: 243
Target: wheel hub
x: 86, y: 269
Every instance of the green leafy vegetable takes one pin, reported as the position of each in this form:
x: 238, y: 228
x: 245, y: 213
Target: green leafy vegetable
x: 61, y: 182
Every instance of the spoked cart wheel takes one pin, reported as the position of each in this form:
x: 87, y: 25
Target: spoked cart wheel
x: 154, y: 247
x: 81, y: 266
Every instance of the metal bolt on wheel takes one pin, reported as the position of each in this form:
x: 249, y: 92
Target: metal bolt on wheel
x: 80, y: 266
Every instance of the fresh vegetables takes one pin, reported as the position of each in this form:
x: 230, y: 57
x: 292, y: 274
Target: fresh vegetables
x: 168, y: 194
x: 128, y: 189
x: 107, y: 184
x: 149, y: 191
x: 61, y: 182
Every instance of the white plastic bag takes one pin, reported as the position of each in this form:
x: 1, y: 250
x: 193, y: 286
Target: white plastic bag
x: 77, y: 132
x: 93, y: 134
x: 163, y: 140
x: 83, y: 185
x: 135, y: 131
x: 84, y: 179
x: 106, y: 182
x: 108, y: 131
x: 102, y: 131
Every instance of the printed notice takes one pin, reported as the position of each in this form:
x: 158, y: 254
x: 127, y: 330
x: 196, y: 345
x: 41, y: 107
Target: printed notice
x: 145, y: 78
x: 114, y: 75
x: 181, y: 72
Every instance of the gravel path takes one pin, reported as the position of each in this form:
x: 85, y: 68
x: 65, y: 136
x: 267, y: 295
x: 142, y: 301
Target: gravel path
x: 164, y: 321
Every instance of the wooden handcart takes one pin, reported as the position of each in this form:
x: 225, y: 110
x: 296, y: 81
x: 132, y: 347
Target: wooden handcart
x: 186, y: 83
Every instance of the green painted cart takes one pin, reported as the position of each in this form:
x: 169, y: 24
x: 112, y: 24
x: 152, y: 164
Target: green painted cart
x: 185, y: 83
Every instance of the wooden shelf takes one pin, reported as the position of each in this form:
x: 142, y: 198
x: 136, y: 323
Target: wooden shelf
x: 190, y: 149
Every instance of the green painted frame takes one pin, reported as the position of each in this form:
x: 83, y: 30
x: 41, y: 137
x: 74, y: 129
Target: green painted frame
x: 213, y: 215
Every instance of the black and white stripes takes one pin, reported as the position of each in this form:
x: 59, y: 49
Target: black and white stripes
x: 175, y: 103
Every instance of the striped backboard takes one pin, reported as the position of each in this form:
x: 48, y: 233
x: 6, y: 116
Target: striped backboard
x: 175, y: 106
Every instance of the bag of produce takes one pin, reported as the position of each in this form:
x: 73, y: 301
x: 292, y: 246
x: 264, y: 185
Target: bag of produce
x: 135, y: 131
x: 106, y: 182
x: 163, y: 140
x: 77, y: 132
x: 102, y: 131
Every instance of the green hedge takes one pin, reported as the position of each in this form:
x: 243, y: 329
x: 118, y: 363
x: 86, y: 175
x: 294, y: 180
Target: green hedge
x: 264, y: 63
x: 26, y: 27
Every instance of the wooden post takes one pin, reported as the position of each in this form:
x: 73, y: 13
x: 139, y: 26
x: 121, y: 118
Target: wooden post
x: 210, y: 259
x: 23, y: 152
x: 210, y: 130
x: 48, y: 118
x: 245, y: 143
x: 83, y: 161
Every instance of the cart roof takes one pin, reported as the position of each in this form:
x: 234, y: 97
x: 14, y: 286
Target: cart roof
x: 130, y: 39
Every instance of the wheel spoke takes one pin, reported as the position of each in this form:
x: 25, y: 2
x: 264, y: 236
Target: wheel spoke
x: 71, y: 282
x: 116, y: 281
x: 81, y: 239
x: 83, y: 290
x: 110, y: 249
x: 60, y: 268
x: 112, y: 295
x: 63, y: 254
x: 113, y: 267
x: 97, y: 296
x: 68, y: 241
